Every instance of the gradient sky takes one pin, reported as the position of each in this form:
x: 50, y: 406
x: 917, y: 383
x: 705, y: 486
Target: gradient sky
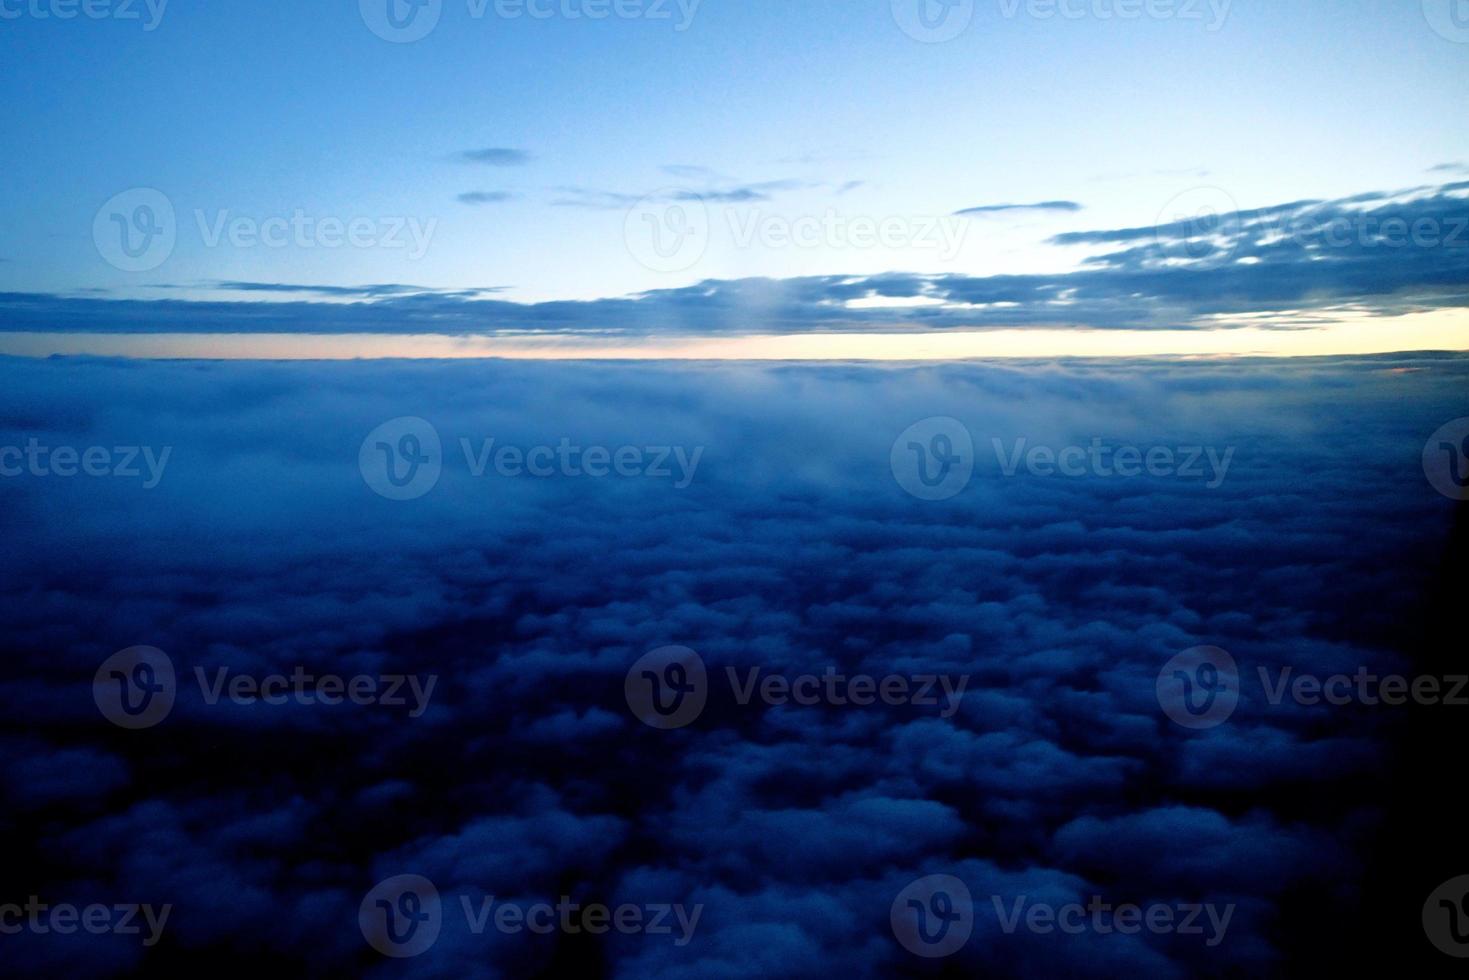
x: 772, y: 110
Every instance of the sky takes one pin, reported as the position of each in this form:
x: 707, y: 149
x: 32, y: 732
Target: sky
x: 528, y: 154
x: 287, y: 249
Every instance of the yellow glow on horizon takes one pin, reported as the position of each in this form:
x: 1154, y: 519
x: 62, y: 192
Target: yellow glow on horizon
x: 1436, y: 330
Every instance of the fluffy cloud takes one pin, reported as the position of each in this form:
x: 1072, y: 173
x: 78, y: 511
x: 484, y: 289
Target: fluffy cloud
x: 262, y: 550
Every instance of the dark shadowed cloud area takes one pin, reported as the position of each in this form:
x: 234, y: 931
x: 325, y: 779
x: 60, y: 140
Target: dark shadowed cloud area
x: 792, y: 548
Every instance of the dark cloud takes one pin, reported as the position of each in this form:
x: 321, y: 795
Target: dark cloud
x: 793, y: 550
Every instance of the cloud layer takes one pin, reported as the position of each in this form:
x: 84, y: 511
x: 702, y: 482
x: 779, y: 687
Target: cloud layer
x: 794, y: 550
x: 1213, y: 266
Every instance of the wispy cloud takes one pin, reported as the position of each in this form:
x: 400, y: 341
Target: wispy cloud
x: 735, y: 193
x: 1004, y: 208
x: 486, y: 197
x: 593, y: 198
x: 691, y: 171
x: 371, y: 291
x: 496, y: 156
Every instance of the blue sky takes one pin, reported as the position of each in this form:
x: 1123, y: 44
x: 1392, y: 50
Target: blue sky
x: 775, y: 113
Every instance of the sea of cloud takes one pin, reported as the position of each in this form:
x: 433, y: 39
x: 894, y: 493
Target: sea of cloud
x: 262, y: 550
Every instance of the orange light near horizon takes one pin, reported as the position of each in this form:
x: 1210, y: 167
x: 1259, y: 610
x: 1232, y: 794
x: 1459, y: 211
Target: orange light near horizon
x: 1437, y: 330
